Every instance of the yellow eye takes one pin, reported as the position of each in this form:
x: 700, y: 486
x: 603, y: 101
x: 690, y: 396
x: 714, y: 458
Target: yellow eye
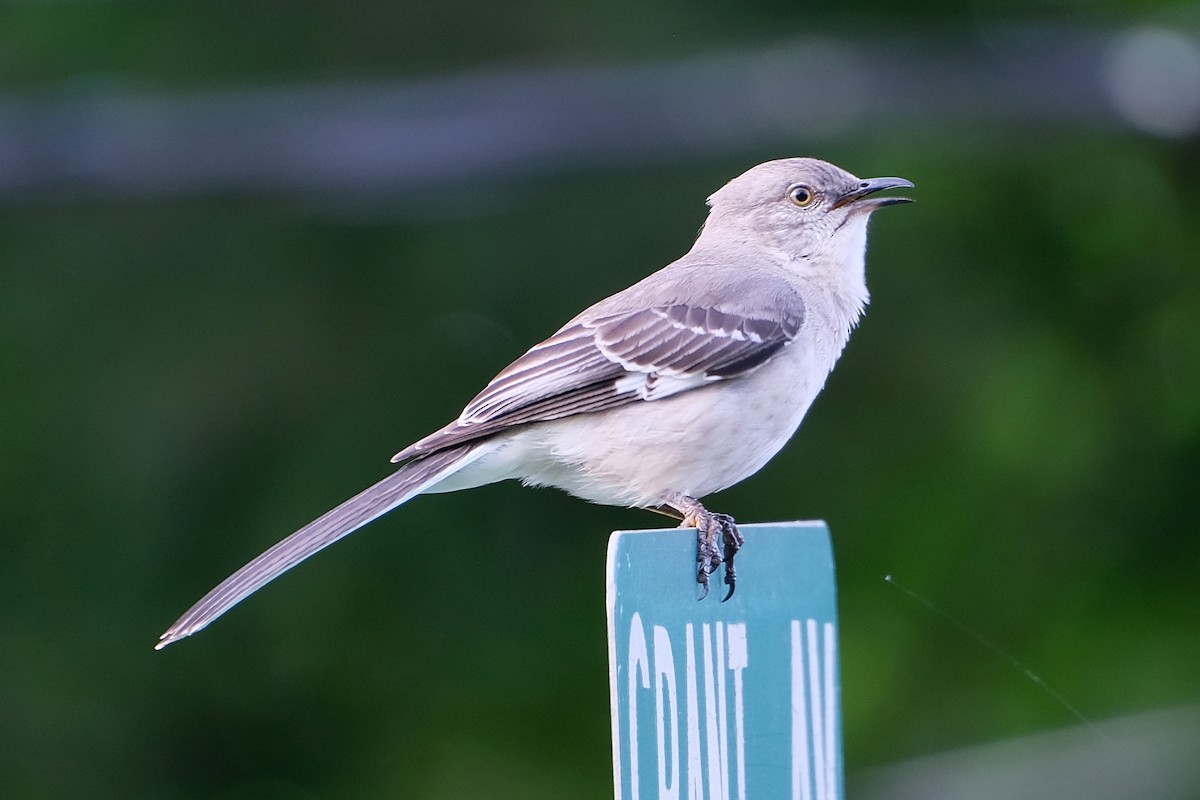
x: 802, y: 195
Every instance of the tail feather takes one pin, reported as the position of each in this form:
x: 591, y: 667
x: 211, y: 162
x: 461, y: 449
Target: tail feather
x: 402, y: 485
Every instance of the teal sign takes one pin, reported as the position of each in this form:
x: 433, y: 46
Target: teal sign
x: 725, y: 701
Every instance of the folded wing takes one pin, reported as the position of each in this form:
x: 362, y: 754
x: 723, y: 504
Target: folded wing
x: 619, y: 358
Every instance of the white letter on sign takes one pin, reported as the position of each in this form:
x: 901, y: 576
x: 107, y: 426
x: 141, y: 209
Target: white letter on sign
x: 638, y: 657
x: 738, y: 661
x: 695, y: 778
x: 814, y: 707
x: 664, y: 678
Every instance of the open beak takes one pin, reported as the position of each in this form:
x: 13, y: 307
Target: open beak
x: 870, y: 186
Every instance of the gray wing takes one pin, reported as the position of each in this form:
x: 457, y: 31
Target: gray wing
x: 614, y: 359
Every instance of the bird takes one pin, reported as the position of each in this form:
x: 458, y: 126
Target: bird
x: 683, y: 384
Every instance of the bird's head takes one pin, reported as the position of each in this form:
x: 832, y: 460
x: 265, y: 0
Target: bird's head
x: 803, y: 208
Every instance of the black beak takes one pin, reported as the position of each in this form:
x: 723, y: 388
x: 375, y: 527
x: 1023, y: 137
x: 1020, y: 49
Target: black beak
x: 869, y: 187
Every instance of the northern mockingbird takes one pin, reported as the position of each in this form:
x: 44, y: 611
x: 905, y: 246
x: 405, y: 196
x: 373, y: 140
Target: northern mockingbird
x: 679, y: 386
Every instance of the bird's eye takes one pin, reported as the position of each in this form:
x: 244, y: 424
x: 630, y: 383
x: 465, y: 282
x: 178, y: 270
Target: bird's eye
x: 802, y: 195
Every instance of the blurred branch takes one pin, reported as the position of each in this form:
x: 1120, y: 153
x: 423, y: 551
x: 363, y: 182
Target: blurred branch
x: 496, y: 123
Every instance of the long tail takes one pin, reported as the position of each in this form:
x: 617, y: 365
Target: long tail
x: 402, y: 485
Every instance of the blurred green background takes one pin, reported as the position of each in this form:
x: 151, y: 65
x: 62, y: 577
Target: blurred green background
x: 203, y: 348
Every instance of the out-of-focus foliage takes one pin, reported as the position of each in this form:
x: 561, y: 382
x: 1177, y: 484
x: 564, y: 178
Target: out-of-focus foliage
x: 1013, y: 434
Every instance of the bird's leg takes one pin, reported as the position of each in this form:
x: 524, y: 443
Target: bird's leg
x: 666, y: 511
x: 708, y: 527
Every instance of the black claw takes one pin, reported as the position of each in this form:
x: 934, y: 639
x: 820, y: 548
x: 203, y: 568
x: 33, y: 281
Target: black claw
x: 732, y: 540
x: 707, y: 559
x: 730, y: 576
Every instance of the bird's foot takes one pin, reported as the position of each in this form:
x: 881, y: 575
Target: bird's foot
x: 732, y: 540
x: 709, y: 527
